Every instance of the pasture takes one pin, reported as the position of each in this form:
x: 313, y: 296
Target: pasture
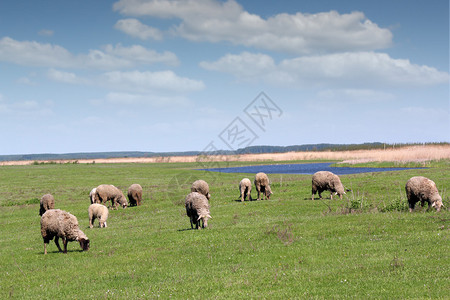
x: 365, y: 246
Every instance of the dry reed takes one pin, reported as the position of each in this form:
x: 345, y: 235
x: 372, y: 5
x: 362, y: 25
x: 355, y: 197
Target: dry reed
x: 399, y: 154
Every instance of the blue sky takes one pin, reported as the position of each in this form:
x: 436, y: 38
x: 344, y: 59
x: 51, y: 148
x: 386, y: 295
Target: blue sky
x: 135, y: 75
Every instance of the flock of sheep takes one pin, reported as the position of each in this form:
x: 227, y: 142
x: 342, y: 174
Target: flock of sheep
x: 56, y: 223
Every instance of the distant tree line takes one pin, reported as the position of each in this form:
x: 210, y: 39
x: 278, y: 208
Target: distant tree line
x: 246, y: 150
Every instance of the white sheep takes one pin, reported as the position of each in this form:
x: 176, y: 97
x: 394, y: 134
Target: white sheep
x: 202, y: 187
x: 108, y: 192
x: 135, y: 194
x: 47, y: 202
x: 245, y: 189
x: 92, y: 195
x: 56, y: 223
x: 262, y: 185
x: 422, y: 189
x: 197, y: 209
x: 100, y: 212
x: 327, y: 181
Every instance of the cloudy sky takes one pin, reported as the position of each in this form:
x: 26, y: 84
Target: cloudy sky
x: 165, y: 75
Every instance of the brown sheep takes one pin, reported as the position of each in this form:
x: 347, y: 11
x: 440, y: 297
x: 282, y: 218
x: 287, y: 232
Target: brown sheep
x: 56, y: 223
x: 245, y: 189
x: 47, y: 202
x: 327, y: 181
x: 422, y: 189
x: 135, y: 194
x: 107, y: 192
x: 202, y: 187
x: 197, y: 209
x: 262, y: 185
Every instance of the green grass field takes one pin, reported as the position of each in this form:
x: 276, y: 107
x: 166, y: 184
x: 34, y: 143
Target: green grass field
x: 365, y: 246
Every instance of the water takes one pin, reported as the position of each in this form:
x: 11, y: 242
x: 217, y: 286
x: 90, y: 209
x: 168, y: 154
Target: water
x: 307, y: 169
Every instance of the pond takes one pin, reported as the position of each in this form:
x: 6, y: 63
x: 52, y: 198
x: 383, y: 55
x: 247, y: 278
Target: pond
x: 307, y: 169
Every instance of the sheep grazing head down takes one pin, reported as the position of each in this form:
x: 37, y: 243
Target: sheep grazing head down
x: 204, y: 219
x: 437, y: 203
x: 268, y: 192
x: 84, y: 243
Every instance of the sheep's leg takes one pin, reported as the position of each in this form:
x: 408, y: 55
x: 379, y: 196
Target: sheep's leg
x: 57, y: 243
x: 65, y: 244
x: 45, y: 245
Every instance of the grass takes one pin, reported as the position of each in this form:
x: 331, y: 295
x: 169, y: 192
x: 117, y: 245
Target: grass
x: 364, y: 246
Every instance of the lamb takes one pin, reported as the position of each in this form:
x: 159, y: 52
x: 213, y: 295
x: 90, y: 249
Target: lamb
x: 197, y: 209
x: 201, y: 187
x: 105, y: 192
x: 92, y: 196
x: 100, y: 212
x: 56, y: 223
x: 245, y: 188
x: 135, y: 194
x: 262, y: 185
x: 47, y: 202
x: 327, y: 181
x: 422, y: 189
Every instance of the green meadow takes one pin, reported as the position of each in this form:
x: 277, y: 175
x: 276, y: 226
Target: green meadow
x: 365, y: 246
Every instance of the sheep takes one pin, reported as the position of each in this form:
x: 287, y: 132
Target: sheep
x: 197, y: 209
x: 135, y: 194
x: 327, y: 181
x: 92, y: 196
x: 422, y: 189
x: 105, y: 192
x: 245, y: 188
x: 100, y: 212
x: 202, y: 187
x: 262, y: 185
x: 56, y: 223
x: 47, y: 202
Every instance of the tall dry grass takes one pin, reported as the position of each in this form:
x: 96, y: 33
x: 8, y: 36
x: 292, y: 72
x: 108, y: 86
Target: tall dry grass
x: 399, y: 154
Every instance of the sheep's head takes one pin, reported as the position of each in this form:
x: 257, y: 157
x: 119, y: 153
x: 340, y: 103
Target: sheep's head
x: 268, y: 192
x: 123, y: 201
x: 204, y: 218
x: 84, y: 243
x: 437, y: 204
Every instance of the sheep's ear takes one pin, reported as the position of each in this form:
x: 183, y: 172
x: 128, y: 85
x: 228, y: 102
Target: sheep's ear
x: 209, y: 216
x: 199, y: 218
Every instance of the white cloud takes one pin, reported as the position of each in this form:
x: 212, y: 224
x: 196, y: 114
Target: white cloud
x: 347, y: 70
x: 36, y: 54
x: 136, y: 81
x: 27, y: 108
x: 66, y: 77
x: 136, y: 29
x: 146, y: 99
x: 359, y: 95
x: 142, y: 55
x: 214, y: 21
x: 26, y: 81
x: 46, y: 32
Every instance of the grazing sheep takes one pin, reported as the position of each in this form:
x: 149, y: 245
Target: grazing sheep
x: 202, y: 187
x: 197, y: 209
x: 135, y: 194
x: 327, y: 181
x: 100, y: 212
x: 262, y: 185
x: 92, y: 196
x: 105, y: 192
x: 56, y: 223
x: 47, y: 202
x: 422, y: 189
x: 245, y: 188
